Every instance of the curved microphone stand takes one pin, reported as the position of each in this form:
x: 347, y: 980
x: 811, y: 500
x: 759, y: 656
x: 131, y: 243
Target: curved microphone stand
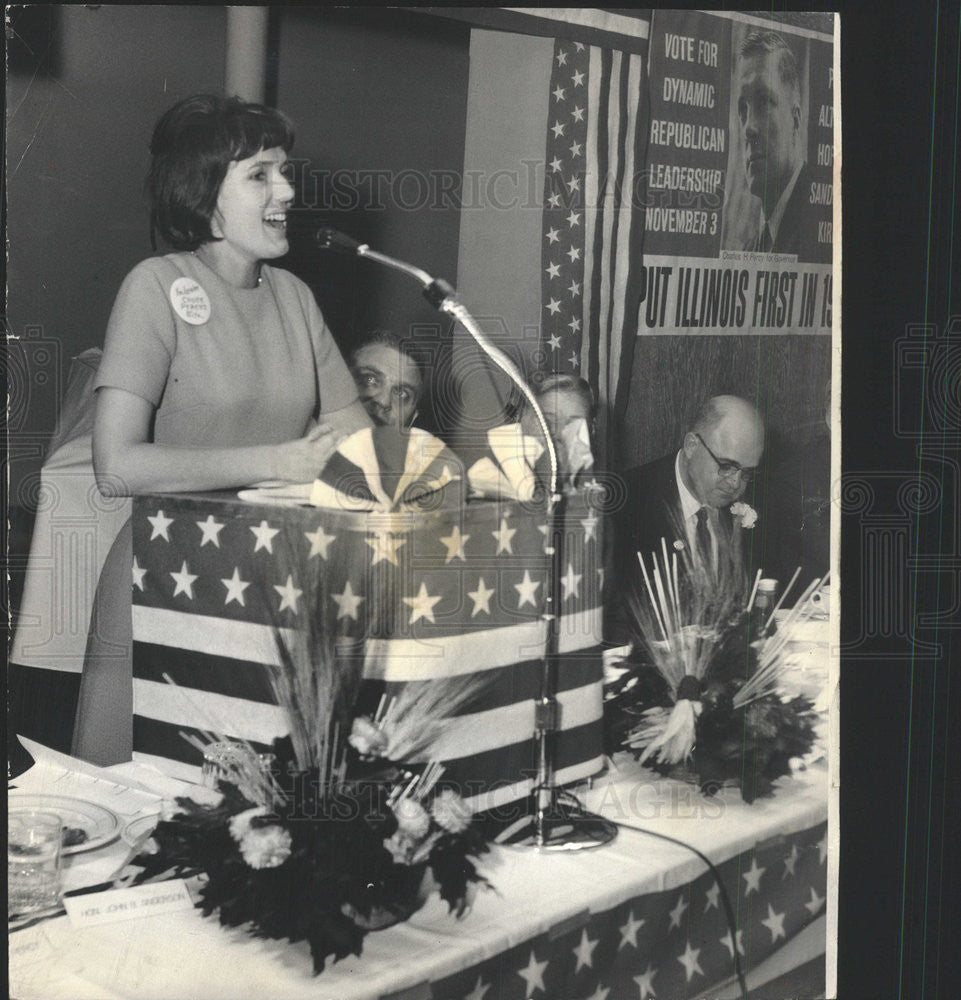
x: 555, y: 829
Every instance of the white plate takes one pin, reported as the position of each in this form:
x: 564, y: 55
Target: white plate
x: 100, y: 824
x: 137, y: 828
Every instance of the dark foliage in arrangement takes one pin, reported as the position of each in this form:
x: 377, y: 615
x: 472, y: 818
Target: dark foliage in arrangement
x: 314, y: 869
x: 750, y: 746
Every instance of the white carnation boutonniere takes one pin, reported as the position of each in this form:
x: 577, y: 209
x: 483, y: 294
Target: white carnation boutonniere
x: 745, y: 513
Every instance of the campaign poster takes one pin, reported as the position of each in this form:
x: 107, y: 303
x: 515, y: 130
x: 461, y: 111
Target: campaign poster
x: 740, y: 183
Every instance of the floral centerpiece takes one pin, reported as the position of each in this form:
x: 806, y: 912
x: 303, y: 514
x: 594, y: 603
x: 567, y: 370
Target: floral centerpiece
x: 339, y: 835
x: 704, y: 694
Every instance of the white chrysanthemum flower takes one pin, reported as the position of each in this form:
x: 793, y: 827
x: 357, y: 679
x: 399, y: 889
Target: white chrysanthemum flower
x: 266, y: 846
x: 367, y: 738
x: 400, y: 848
x: 204, y: 796
x: 745, y: 512
x: 240, y: 824
x: 412, y: 818
x: 451, y: 812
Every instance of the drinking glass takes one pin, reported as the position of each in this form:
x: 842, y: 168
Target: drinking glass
x: 34, y: 841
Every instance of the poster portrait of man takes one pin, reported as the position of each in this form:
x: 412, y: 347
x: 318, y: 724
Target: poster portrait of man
x: 772, y: 199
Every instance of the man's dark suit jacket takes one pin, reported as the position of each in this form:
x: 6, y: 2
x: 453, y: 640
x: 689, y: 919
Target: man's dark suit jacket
x: 797, y: 232
x: 651, y: 511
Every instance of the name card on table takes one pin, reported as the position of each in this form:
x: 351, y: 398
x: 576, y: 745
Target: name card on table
x: 127, y: 904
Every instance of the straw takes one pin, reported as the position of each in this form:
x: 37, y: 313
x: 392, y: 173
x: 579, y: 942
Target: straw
x: 787, y: 589
x: 757, y: 580
x: 650, y: 592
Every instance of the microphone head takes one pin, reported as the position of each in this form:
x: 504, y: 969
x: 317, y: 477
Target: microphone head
x: 331, y: 239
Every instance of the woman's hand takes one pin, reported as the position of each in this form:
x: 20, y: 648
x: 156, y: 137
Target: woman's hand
x: 301, y: 461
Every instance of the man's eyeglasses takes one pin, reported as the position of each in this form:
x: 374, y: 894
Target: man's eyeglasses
x: 727, y: 470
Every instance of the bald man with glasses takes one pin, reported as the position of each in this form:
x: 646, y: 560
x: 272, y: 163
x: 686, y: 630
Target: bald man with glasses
x: 685, y: 497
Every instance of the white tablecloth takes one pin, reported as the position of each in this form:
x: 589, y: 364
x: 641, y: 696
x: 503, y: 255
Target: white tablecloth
x: 183, y: 955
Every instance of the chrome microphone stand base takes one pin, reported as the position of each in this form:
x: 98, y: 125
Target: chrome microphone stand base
x: 567, y: 827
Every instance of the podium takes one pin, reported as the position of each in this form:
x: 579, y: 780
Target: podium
x: 419, y: 595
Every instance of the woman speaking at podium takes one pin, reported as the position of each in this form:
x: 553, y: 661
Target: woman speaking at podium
x: 218, y: 369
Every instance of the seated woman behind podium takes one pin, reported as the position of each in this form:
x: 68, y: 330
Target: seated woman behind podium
x: 218, y: 369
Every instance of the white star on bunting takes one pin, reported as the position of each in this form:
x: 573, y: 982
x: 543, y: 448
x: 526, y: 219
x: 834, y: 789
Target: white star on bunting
x: 422, y: 605
x: 481, y: 598
x: 504, y: 538
x: 385, y: 547
x: 629, y: 931
x: 289, y: 594
x: 644, y: 982
x: 775, y: 924
x: 574, y: 288
x: 479, y: 991
x: 533, y: 975
x: 527, y: 591
x: 554, y: 270
x: 139, y: 573
x: 211, y: 531
x: 726, y: 941
x: 790, y: 862
x: 677, y: 913
x: 688, y: 958
x: 712, y: 895
x: 814, y: 903
x: 571, y: 583
x: 558, y: 129
x: 454, y: 543
x: 559, y: 93
x: 578, y: 79
x: 562, y: 58
x: 584, y: 952
x: 600, y: 993
x: 556, y: 166
x: 555, y: 199
x: 554, y: 306
x: 574, y: 253
x: 578, y: 114
x: 319, y: 542
x: 553, y: 235
x: 554, y: 342
x: 347, y: 603
x: 265, y: 537
x: 752, y: 878
x: 185, y: 581
x: 159, y: 524
x: 235, y: 588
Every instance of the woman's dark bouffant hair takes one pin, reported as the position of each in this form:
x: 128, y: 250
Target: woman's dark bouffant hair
x: 193, y: 144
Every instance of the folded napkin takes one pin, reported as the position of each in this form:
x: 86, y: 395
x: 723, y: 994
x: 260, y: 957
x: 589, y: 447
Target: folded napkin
x: 507, y: 470
x: 389, y: 469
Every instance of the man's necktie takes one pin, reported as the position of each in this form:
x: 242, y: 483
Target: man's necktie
x: 703, y: 535
x: 764, y: 239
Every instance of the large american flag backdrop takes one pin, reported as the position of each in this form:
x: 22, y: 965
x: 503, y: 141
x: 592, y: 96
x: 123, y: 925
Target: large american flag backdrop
x: 551, y: 233
x: 422, y: 596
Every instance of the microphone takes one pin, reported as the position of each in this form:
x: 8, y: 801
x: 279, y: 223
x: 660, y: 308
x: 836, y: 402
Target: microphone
x: 331, y: 239
x: 435, y: 290
x: 443, y: 297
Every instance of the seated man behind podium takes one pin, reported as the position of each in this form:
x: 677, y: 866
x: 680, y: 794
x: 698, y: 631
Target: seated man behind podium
x: 388, y: 379
x: 685, y: 498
